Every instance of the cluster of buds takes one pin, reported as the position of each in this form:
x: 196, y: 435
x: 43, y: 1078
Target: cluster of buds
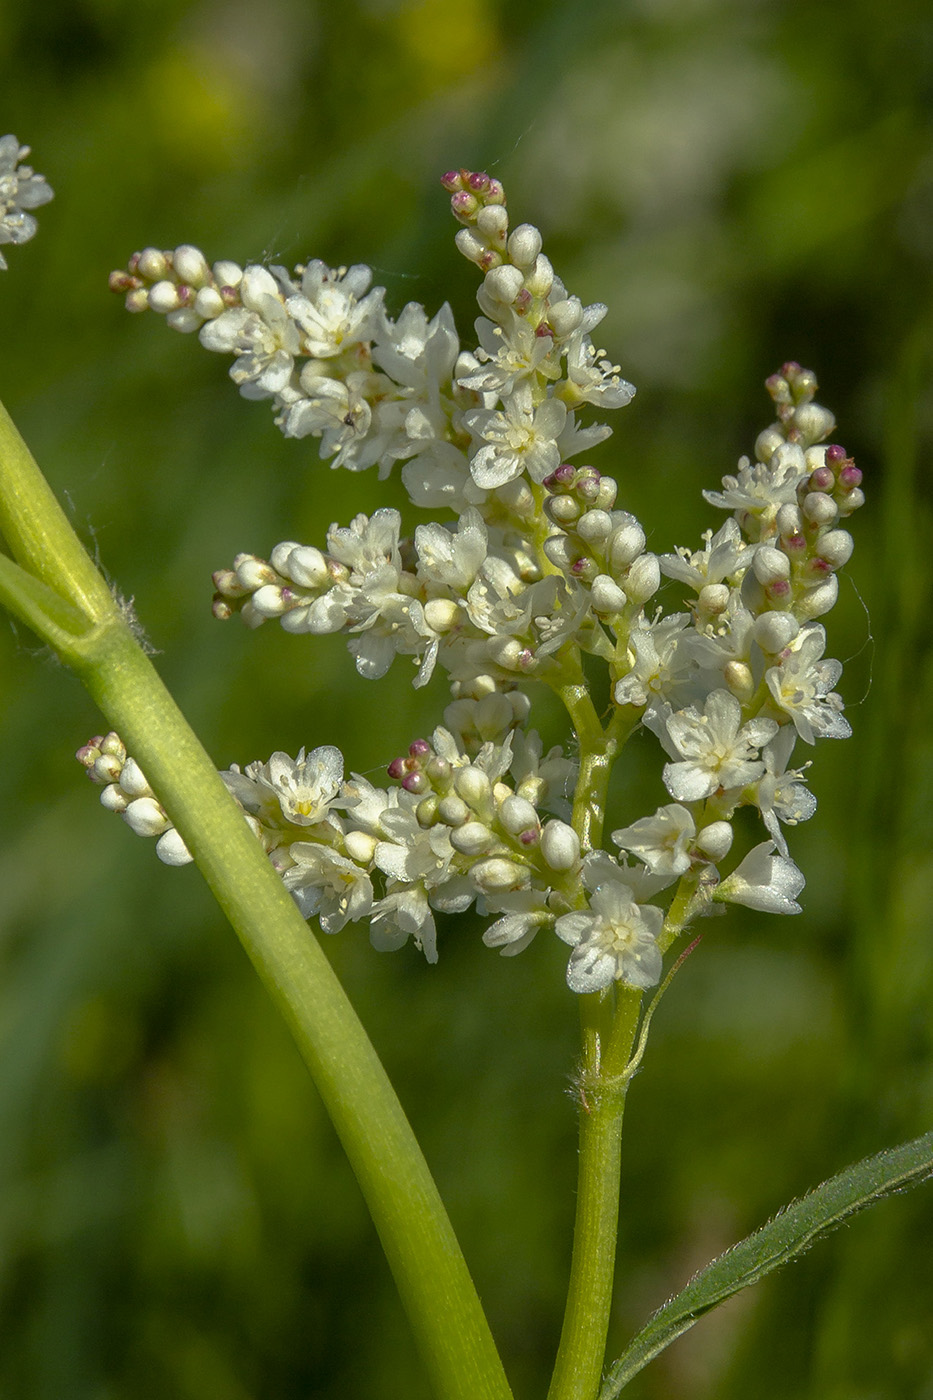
x: 538, y: 566
x: 126, y: 792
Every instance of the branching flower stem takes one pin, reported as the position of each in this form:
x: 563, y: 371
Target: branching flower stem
x: 55, y: 589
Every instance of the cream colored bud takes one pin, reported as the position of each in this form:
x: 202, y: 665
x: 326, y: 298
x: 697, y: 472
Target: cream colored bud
x: 767, y: 442
x: 819, y: 508
x: 171, y: 849
x: 816, y: 602
x: 770, y: 565
x: 518, y: 497
x: 360, y: 846
x: 503, y: 284
x: 506, y: 652
x: 452, y: 810
x: 595, y: 526
x: 184, y: 320
x: 471, y: 839
x: 625, y: 543
x: 163, y: 297
x: 715, y: 840
x: 269, y: 601
x: 426, y: 811
x: 524, y: 245
x: 306, y: 566
x: 494, y: 875
x: 208, y: 303
x: 492, y: 221
x: 813, y: 422
x: 789, y: 521
x: 713, y: 598
x: 739, y: 679
x: 146, y: 817
x: 252, y: 572
x: 227, y: 273
x: 441, y: 614
x: 191, y: 265
x: 114, y: 798
x: 643, y: 578
x: 608, y: 598
x: 132, y: 781
x: 564, y: 317
x: 470, y: 244
x: 152, y: 264
x: 540, y: 279
x: 473, y: 785
x: 835, y: 547
x: 517, y: 815
x: 560, y: 845
x: 774, y: 631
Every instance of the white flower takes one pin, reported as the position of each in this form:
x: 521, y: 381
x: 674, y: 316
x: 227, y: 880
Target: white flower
x: 452, y: 558
x: 716, y: 749
x: 802, y: 686
x: 594, y: 380
x: 20, y: 189
x: 327, y: 884
x: 661, y: 841
x: 780, y: 793
x: 658, y: 656
x: 757, y: 492
x: 303, y: 789
x: 614, y: 940
x: 763, y: 881
x: 725, y: 555
x: 415, y: 352
x: 331, y: 310
x: 523, y: 912
x: 517, y: 439
x: 259, y: 332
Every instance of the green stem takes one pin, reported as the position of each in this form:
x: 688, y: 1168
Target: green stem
x: 607, y: 1045
x: 423, y: 1253
x: 609, y: 1021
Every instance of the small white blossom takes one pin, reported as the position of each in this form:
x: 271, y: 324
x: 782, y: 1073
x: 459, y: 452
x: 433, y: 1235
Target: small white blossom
x: 802, y: 686
x: 715, y: 749
x: 763, y: 881
x: 614, y: 940
x: 661, y: 841
x: 20, y: 190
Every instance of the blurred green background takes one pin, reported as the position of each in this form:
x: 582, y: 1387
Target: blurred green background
x: 743, y: 183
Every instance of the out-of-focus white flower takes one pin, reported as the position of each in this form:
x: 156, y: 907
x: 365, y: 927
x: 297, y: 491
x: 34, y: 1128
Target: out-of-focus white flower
x: 21, y: 189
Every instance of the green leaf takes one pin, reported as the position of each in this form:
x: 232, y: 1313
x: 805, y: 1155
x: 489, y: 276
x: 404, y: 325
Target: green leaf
x: 784, y: 1238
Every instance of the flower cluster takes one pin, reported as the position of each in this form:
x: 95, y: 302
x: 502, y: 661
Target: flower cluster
x: 538, y: 567
x: 21, y: 189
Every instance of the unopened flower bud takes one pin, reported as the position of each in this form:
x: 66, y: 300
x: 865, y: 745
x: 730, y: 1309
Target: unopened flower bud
x: 426, y: 811
x: 819, y: 508
x: 816, y: 602
x: 506, y: 652
x: 768, y: 442
x: 524, y: 245
x: 560, y: 845
x: 171, y: 849
x: 441, y: 614
x: 253, y: 572
x: 227, y: 273
x: 185, y: 320
x: 608, y: 598
x: 564, y: 317
x: 563, y: 510
x: 715, y: 840
x: 835, y: 547
x: 470, y: 244
x: 518, y: 497
x: 146, y: 817
x: 595, y: 525
x: 540, y: 279
x: 517, y: 814
x: 471, y: 839
x: 473, y: 785
x: 452, y: 810
x: 495, y: 874
x: 789, y: 521
x: 360, y: 846
x: 773, y: 631
x: 270, y: 601
x: 643, y: 578
x: 503, y: 284
x: 853, y: 501
x: 306, y: 566
x: 114, y: 798
x: 163, y: 297
x: 492, y: 221
x: 770, y: 565
x: 713, y: 598
x: 208, y: 304
x: 132, y: 781
x: 813, y: 422
x: 739, y: 679
x: 625, y: 544
x: 191, y: 265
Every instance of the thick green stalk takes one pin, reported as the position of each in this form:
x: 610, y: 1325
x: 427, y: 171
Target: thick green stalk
x: 429, y: 1269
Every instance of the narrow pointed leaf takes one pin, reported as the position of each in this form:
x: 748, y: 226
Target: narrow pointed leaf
x: 784, y: 1238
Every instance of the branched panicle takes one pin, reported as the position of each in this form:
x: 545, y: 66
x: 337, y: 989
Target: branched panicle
x: 538, y: 565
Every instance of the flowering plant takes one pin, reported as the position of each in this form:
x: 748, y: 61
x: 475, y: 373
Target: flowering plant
x: 539, y: 577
